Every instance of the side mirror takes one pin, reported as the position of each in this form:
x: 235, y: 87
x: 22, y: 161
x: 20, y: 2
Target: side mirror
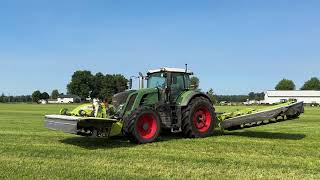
x: 140, y: 74
x: 130, y: 83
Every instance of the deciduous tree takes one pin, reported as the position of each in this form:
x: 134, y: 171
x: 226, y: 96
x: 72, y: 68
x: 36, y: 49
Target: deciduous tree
x: 285, y: 84
x: 82, y: 83
x: 312, y: 84
x: 45, y: 96
x: 36, y: 96
x: 55, y: 94
x: 101, y: 86
x: 194, y: 82
x: 212, y: 96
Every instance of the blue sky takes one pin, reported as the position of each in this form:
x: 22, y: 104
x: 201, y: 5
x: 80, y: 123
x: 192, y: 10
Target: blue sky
x: 234, y: 47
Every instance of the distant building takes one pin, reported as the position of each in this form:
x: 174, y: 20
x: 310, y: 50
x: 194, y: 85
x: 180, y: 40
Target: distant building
x: 252, y: 102
x: 52, y: 101
x: 305, y: 96
x: 43, y: 101
x: 69, y: 98
x: 222, y: 103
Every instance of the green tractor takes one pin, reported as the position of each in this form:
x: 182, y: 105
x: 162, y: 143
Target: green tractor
x: 169, y: 102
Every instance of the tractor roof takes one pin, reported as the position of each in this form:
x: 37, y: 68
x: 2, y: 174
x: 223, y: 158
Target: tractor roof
x: 166, y: 69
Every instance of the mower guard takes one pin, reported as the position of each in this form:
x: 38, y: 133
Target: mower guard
x: 74, y: 124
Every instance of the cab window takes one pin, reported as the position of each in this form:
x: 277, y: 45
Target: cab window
x: 178, y: 81
x: 156, y: 80
x: 177, y: 85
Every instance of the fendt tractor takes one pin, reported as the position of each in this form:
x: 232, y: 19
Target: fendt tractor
x: 168, y: 103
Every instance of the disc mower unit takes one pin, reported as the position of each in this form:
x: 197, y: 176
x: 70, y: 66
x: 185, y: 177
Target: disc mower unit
x: 168, y: 102
x: 248, y: 118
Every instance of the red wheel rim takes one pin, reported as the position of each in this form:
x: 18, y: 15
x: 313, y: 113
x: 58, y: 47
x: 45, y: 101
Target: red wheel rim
x: 202, y: 119
x: 147, y: 126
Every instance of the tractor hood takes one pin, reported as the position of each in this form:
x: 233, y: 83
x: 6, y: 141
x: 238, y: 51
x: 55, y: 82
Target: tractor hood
x: 141, y: 97
x: 121, y: 98
x: 147, y: 90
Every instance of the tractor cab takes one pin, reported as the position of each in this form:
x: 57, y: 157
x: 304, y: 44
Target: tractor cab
x: 168, y: 102
x: 170, y: 81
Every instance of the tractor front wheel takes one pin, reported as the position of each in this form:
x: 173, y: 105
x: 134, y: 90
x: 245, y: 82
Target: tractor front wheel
x: 142, y: 126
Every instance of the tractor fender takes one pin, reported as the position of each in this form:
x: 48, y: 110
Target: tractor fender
x: 186, y: 97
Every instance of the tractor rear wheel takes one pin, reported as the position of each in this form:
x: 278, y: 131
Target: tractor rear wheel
x: 142, y: 126
x: 198, y: 118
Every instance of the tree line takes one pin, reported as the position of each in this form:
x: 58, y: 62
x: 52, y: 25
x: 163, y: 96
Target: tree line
x: 85, y: 84
x: 37, y: 95
x: 235, y: 98
x: 286, y: 84
x: 15, y: 99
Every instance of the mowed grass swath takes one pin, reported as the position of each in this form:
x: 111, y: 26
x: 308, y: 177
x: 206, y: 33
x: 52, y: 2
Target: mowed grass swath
x: 283, y: 150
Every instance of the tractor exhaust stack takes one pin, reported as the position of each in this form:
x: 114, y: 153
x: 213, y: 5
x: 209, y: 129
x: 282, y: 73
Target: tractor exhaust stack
x: 141, y: 81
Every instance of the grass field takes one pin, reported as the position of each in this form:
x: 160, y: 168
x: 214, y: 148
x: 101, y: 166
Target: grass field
x: 287, y: 150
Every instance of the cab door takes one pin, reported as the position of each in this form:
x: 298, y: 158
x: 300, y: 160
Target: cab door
x: 178, y: 85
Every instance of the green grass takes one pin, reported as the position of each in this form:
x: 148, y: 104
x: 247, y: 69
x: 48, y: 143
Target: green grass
x: 287, y: 150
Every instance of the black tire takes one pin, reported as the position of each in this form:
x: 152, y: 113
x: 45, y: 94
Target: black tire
x: 293, y: 113
x: 190, y: 124
x: 295, y: 116
x: 142, y: 126
x: 82, y: 113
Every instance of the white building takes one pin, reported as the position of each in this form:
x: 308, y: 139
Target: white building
x: 52, y: 101
x: 252, y: 102
x: 43, y: 101
x: 305, y: 96
x: 69, y: 98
